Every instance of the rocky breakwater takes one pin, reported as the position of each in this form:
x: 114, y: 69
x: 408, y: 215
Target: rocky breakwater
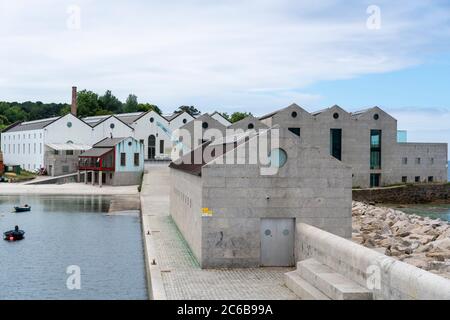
x: 417, y: 240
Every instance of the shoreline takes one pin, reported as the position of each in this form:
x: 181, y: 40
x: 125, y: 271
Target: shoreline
x: 75, y: 189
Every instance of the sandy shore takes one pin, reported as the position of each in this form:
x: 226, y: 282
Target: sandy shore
x: 65, y: 189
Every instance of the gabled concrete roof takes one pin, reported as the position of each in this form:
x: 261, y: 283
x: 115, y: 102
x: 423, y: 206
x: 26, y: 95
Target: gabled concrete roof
x: 109, y: 142
x: 294, y: 105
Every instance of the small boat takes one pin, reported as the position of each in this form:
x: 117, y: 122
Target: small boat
x: 14, y: 235
x: 22, y: 209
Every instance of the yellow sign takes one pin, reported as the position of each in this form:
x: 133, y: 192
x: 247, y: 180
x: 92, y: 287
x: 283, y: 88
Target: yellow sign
x: 206, y: 212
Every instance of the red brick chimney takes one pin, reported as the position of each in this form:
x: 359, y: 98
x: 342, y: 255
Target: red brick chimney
x: 73, y: 108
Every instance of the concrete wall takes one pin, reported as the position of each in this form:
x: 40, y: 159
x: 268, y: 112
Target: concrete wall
x: 59, y: 161
x: 407, y: 194
x: 124, y: 178
x: 433, y: 161
x: 386, y: 277
x: 186, y: 208
x: 312, y: 187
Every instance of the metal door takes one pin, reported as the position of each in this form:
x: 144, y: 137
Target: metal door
x: 277, y: 242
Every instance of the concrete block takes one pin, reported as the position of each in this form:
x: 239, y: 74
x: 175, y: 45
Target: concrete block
x: 302, y: 288
x: 330, y: 282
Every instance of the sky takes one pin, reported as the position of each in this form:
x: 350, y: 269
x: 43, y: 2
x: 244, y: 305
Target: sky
x: 236, y: 55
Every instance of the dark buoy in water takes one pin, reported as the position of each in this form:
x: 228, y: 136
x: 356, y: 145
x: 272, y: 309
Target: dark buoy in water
x: 14, y: 235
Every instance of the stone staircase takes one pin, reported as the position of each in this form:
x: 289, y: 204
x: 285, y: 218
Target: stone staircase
x: 316, y: 281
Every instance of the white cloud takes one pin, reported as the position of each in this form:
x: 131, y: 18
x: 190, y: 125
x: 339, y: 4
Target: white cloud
x: 256, y: 55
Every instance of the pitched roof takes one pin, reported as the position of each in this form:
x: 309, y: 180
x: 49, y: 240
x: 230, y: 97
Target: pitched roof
x: 269, y: 115
x: 108, y: 142
x: 31, y: 125
x: 96, y: 152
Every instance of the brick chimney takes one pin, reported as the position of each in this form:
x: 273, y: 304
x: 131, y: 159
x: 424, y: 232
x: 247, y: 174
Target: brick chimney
x: 73, y: 108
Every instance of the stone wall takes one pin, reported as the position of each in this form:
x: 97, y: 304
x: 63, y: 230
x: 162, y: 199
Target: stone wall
x: 386, y: 277
x: 407, y: 194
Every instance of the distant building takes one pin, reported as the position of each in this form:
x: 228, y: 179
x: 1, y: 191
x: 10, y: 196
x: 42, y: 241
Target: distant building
x: 113, y: 161
x: 367, y: 141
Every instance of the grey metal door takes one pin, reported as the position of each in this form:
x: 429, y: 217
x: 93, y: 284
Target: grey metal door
x: 277, y: 242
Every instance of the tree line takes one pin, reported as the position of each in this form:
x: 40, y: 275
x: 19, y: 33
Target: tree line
x: 89, y: 104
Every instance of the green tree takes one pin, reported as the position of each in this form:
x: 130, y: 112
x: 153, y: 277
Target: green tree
x: 109, y: 102
x: 88, y: 104
x: 144, y: 107
x: 131, y: 105
x: 193, y: 111
x: 237, y: 116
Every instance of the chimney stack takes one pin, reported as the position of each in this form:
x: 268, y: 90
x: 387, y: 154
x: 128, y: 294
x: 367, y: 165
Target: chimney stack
x: 73, y: 108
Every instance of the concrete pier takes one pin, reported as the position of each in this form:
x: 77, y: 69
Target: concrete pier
x: 172, y: 270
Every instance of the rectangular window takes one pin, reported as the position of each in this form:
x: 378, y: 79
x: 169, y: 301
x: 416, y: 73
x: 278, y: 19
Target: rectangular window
x: 405, y: 160
x: 336, y: 143
x: 431, y: 160
x: 136, y: 159
x: 418, y: 160
x: 69, y: 152
x: 404, y: 179
x: 430, y: 179
x: 375, y: 180
x: 161, y: 146
x: 123, y: 159
x: 295, y: 131
x: 417, y: 179
x: 375, y: 149
x: 55, y: 152
x: 65, y: 169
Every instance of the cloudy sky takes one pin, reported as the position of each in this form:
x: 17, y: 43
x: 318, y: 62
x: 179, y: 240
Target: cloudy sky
x: 234, y: 55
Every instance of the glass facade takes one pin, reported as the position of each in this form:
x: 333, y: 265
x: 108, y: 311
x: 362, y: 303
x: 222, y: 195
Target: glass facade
x: 375, y: 149
x: 402, y: 136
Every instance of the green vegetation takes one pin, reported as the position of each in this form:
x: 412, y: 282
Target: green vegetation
x: 236, y: 116
x: 89, y: 104
x: 193, y: 111
x: 23, y: 176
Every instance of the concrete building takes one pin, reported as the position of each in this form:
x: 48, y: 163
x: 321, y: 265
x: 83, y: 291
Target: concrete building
x: 113, y: 161
x: 367, y: 141
x: 235, y: 215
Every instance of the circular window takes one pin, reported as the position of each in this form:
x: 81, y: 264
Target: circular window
x: 376, y: 116
x: 205, y: 125
x: 69, y: 124
x: 251, y: 125
x: 294, y: 114
x: 336, y: 115
x: 267, y: 232
x: 184, y: 120
x: 286, y: 232
x: 112, y: 125
x: 129, y: 143
x: 152, y: 119
x: 278, y: 158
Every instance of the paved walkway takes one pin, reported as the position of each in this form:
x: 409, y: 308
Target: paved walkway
x: 180, y: 275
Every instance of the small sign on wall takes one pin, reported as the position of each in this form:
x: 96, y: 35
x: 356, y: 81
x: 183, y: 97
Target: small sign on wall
x: 206, y: 212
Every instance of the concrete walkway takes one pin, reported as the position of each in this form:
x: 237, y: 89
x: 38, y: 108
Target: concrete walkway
x: 175, y: 273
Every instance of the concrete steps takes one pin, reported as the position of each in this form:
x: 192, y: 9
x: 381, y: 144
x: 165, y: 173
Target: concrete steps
x: 329, y: 282
x: 302, y: 288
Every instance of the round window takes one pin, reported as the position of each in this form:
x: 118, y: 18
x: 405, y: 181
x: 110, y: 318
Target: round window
x: 251, y: 126
x: 336, y: 115
x: 294, y: 114
x: 69, y: 124
x: 376, y: 116
x: 184, y: 120
x: 129, y: 143
x: 205, y: 125
x: 151, y: 120
x: 267, y: 232
x: 278, y: 158
x: 286, y: 232
x: 112, y: 125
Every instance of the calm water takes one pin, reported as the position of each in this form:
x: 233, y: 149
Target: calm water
x: 64, y: 231
x: 434, y: 211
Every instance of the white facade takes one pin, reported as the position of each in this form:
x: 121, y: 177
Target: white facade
x: 24, y: 144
